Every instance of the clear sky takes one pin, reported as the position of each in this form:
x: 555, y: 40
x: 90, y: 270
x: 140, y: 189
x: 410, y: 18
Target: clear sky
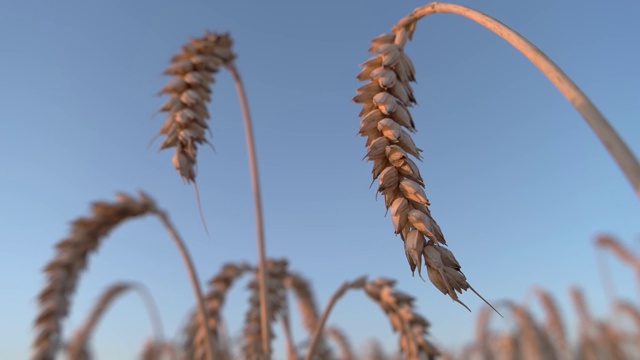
x: 517, y: 181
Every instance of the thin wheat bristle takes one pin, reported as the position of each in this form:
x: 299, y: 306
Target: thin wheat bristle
x: 63, y: 272
x: 189, y: 91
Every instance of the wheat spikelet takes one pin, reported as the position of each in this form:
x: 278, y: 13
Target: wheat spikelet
x: 64, y: 270
x: 346, y: 352
x: 398, y: 307
x: 387, y: 124
x: 189, y: 92
x: 308, y: 310
x: 194, y: 344
x: 276, y: 296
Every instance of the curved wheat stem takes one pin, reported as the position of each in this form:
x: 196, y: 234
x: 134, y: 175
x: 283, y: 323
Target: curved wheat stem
x: 346, y: 352
x: 598, y: 123
x: 398, y: 307
x: 315, y: 339
x: 78, y: 343
x: 308, y: 311
x: 63, y: 272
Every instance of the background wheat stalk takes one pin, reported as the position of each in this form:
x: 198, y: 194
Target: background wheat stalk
x: 77, y: 347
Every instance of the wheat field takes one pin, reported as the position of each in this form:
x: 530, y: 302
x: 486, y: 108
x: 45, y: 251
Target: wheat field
x: 373, y: 182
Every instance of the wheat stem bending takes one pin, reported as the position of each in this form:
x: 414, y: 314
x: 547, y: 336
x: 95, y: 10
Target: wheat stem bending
x: 594, y: 118
x: 355, y: 284
x: 78, y: 344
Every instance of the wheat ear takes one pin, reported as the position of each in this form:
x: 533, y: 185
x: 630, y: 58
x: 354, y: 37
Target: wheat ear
x: 387, y: 124
x: 63, y: 272
x: 78, y: 343
x: 253, y: 337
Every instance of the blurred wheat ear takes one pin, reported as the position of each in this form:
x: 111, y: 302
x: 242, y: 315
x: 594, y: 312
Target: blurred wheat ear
x: 387, y: 124
x: 63, y: 271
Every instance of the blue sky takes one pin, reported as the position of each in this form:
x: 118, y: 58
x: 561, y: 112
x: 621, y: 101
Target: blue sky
x: 517, y: 181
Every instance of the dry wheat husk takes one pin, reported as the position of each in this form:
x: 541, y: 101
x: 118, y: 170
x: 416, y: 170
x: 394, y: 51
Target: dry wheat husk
x: 63, y: 272
x: 387, y: 123
x: 276, y: 297
x: 189, y: 91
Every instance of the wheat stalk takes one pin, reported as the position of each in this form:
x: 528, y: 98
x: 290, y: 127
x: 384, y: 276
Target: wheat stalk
x: 78, y: 344
x: 186, y: 126
x: 315, y: 339
x: 63, y: 272
x: 308, y: 310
